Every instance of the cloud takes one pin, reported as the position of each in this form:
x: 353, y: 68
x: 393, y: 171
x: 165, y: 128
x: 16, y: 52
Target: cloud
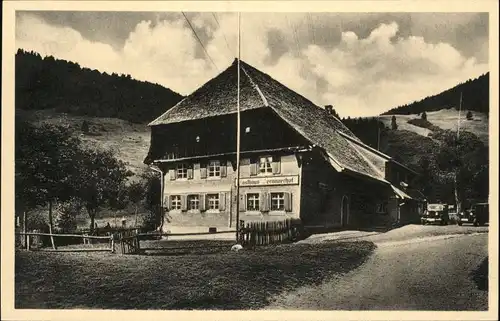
x: 368, y: 76
x: 359, y: 74
x: 163, y: 53
x: 34, y: 34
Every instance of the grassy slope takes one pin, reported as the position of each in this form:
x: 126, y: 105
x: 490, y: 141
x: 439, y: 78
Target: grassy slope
x: 224, y: 280
x: 445, y: 119
x: 130, y: 141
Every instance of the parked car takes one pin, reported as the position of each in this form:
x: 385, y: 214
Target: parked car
x: 436, y: 213
x: 477, y: 215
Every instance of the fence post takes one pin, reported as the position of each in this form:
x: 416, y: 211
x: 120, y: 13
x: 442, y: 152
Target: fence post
x: 112, y: 244
x: 138, y: 248
x: 28, y: 242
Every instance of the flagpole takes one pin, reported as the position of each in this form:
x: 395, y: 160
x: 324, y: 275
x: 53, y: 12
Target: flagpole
x: 238, y: 133
x: 459, y: 207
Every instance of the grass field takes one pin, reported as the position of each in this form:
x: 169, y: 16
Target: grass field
x: 222, y: 280
x: 445, y: 119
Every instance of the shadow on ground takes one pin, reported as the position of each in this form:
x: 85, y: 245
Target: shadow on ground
x: 480, y: 275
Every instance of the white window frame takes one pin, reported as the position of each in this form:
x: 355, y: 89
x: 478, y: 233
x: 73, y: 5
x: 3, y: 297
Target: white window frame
x: 266, y: 166
x: 279, y: 197
x: 214, y: 169
x: 213, y: 202
x: 254, y: 198
x: 193, y: 199
x: 181, y: 171
x: 175, y: 203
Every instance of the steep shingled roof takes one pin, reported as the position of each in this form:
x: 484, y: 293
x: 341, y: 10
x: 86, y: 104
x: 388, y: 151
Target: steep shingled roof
x: 259, y: 90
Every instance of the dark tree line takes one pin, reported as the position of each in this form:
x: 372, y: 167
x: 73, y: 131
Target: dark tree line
x: 369, y: 130
x: 45, y: 83
x: 475, y: 97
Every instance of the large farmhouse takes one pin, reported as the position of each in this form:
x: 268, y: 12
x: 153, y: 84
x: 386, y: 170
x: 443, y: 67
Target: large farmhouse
x: 297, y: 160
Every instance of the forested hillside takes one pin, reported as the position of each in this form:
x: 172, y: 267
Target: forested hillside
x: 48, y: 83
x: 475, y: 97
x: 436, y: 157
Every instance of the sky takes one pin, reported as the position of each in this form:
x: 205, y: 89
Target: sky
x: 361, y: 63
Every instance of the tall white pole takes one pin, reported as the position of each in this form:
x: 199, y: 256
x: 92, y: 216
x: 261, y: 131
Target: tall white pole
x: 238, y: 133
x: 457, y: 196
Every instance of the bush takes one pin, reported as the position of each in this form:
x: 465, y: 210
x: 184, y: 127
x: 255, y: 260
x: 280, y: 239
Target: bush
x: 424, y: 123
x: 85, y: 127
x: 65, y: 219
x: 469, y: 115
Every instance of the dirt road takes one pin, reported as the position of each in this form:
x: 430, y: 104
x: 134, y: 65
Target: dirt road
x: 427, y: 272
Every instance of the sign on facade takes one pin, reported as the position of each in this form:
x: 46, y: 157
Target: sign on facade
x: 263, y: 181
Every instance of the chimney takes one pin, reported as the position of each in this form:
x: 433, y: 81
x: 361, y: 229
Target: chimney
x: 329, y: 109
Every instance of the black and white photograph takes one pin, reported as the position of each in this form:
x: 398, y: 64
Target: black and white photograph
x: 197, y: 157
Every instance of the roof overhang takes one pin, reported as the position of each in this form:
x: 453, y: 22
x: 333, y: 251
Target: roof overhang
x: 377, y: 152
x: 292, y: 149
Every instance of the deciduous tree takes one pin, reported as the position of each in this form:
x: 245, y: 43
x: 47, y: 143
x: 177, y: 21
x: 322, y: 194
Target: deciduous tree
x: 100, y: 182
x: 44, y: 166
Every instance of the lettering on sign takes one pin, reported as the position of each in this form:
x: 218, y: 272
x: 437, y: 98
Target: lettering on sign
x: 435, y: 207
x: 262, y: 181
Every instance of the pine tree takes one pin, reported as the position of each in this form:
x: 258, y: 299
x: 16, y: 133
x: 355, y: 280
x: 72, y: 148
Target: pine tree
x: 394, y: 125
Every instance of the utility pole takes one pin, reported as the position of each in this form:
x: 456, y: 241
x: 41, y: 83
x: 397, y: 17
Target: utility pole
x: 457, y: 196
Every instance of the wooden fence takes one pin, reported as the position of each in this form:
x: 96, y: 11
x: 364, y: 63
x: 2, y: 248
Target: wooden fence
x: 273, y: 232
x: 33, y: 238
x: 127, y: 241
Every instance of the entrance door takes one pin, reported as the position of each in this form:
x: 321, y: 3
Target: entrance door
x: 345, y: 210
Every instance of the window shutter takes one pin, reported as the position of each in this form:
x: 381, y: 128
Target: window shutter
x: 253, y: 167
x: 190, y: 173
x: 288, y: 202
x: 183, y: 202
x: 203, y: 206
x: 243, y: 204
x: 223, y: 169
x: 222, y: 201
x: 171, y: 172
x: 203, y: 170
x: 166, y: 202
x: 206, y: 202
x: 264, y: 202
x: 276, y: 166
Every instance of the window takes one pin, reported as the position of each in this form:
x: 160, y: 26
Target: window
x: 265, y: 165
x: 175, y: 202
x: 182, y: 171
x: 214, y: 169
x: 213, y: 201
x: 253, y: 202
x: 381, y: 208
x: 193, y: 202
x: 277, y: 201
